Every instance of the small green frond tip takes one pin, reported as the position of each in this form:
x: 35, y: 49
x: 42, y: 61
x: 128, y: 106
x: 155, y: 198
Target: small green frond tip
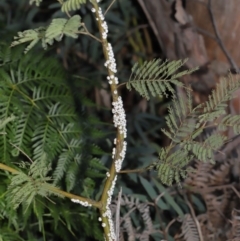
x: 156, y: 77
x: 55, y: 31
x: 72, y: 5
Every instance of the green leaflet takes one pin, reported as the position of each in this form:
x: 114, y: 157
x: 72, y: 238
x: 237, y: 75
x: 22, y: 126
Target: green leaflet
x: 32, y: 36
x: 154, y: 77
x: 216, y: 104
x: 185, y: 123
x: 7, y: 234
x: 72, y: 5
x: 60, y: 26
x: 55, y: 31
x: 39, y: 125
x: 230, y: 121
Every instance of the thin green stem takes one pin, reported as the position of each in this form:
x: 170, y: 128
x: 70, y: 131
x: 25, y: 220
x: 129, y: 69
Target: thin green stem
x: 88, y: 33
x: 109, y: 7
x: 56, y: 190
x: 111, y: 177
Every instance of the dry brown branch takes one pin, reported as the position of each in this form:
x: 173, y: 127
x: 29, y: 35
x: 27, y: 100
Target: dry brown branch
x: 195, y: 219
x: 219, y: 40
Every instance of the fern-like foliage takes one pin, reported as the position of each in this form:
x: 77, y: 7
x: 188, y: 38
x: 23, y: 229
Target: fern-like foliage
x: 189, y: 229
x: 72, y: 5
x: 4, y: 122
x: 172, y: 167
x: 136, y: 216
x: 216, y: 104
x: 185, y: 123
x: 6, y: 234
x: 230, y: 121
x: 55, y: 31
x: 180, y: 120
x: 38, y: 120
x: 155, y: 77
x: 25, y: 187
x: 61, y: 26
x: 235, y: 232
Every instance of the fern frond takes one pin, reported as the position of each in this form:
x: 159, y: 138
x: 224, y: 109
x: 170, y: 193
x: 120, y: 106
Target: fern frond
x: 230, y: 121
x: 235, y: 230
x: 71, y: 175
x: 180, y: 121
x: 21, y: 189
x: 24, y: 188
x: 205, y: 151
x: 4, y: 122
x: 5, y: 55
x: 216, y: 104
x: 22, y: 124
x: 171, y: 166
x: 89, y: 186
x: 46, y: 123
x: 140, y: 218
x: 31, y: 35
x: 72, y: 5
x: 96, y: 168
x: 61, y: 26
x: 155, y: 77
x: 38, y: 209
x: 7, y: 234
x: 66, y: 157
x: 189, y: 229
x: 55, y: 31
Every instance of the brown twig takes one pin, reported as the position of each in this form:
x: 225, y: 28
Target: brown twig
x: 54, y: 189
x: 88, y: 33
x: 169, y: 225
x: 218, y: 38
x: 159, y: 215
x: 151, y: 23
x: 206, y: 33
x: 110, y: 5
x: 195, y: 219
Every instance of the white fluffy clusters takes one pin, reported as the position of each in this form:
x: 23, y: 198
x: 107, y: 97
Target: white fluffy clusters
x: 112, y: 79
x: 103, y: 24
x: 85, y: 204
x: 118, y: 162
x: 107, y: 213
x: 113, y: 152
x: 119, y: 117
x: 111, y: 63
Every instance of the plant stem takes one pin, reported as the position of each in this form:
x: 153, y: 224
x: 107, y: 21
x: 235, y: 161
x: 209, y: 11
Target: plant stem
x: 119, y: 149
x: 56, y: 190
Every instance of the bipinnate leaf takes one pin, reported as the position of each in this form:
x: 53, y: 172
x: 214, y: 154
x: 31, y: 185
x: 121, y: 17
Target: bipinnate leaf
x: 61, y: 26
x: 72, y: 5
x: 156, y: 77
x: 55, y: 31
